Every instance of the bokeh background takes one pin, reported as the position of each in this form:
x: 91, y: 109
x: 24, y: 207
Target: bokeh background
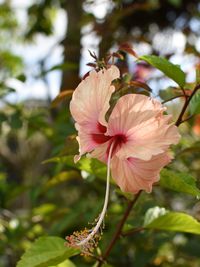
x: 44, y: 50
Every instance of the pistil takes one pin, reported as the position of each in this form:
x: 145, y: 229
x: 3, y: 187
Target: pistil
x: 86, y: 240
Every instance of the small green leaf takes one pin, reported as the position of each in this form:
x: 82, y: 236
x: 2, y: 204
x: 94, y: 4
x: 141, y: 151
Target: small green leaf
x: 45, y: 252
x: 169, y: 69
x: 175, y: 221
x: 194, y: 105
x: 180, y: 182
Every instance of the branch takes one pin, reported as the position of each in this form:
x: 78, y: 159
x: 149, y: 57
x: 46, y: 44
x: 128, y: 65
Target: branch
x: 187, y: 101
x: 172, y: 98
x: 119, y: 228
x: 133, y: 231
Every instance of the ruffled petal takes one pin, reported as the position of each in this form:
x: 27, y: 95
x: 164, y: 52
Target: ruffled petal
x: 140, y: 119
x: 90, y: 100
x: 133, y: 175
x: 88, y: 106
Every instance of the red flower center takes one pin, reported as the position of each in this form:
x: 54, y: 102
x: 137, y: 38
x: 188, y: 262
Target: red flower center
x: 118, y: 140
x: 100, y: 138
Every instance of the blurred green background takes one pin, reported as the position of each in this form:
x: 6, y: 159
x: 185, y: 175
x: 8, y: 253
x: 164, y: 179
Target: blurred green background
x: 44, y: 50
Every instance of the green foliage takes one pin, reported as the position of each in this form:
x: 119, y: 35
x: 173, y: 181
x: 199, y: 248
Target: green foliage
x: 170, y: 70
x: 11, y: 63
x: 47, y: 251
x: 180, y: 182
x: 160, y: 219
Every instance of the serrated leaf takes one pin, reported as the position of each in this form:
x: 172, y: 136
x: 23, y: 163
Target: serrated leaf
x: 179, y: 181
x: 175, y: 221
x: 169, y: 69
x: 45, y: 252
x: 194, y: 105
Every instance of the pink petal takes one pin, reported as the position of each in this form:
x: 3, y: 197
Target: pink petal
x: 147, y: 130
x: 101, y: 152
x: 88, y: 106
x: 133, y: 175
x: 90, y: 100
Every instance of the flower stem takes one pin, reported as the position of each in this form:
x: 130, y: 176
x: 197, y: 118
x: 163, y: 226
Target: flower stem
x: 118, y: 231
x: 95, y: 230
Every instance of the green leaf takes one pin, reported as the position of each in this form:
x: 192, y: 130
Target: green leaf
x: 153, y: 213
x: 169, y: 69
x: 84, y: 164
x: 92, y: 166
x: 194, y: 105
x: 175, y: 221
x: 180, y: 182
x: 45, y: 252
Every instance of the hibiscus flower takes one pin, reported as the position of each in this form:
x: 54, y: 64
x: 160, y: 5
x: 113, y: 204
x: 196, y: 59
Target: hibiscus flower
x: 133, y: 141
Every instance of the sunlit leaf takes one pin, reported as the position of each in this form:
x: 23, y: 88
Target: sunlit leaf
x: 153, y: 213
x: 170, y: 70
x: 46, y: 251
x: 174, y: 221
x: 180, y: 182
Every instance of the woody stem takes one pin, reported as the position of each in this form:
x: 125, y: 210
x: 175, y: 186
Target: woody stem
x: 118, y: 231
x: 187, y: 102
